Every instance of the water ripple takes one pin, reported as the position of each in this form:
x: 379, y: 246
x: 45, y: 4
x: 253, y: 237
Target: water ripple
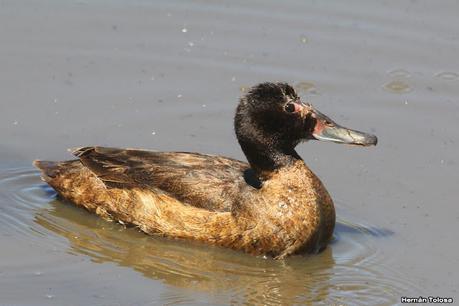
x: 446, y: 75
x: 397, y: 87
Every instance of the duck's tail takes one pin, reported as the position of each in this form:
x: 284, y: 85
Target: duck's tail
x: 72, y: 181
x: 49, y: 169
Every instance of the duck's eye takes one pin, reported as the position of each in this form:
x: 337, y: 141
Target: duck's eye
x: 289, y: 107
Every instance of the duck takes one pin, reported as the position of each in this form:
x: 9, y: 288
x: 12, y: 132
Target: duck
x: 273, y: 205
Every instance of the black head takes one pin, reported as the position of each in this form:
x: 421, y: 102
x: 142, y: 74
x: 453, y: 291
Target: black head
x: 271, y: 120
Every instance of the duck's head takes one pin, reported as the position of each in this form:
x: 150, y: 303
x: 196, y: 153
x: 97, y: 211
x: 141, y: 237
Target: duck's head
x: 271, y: 120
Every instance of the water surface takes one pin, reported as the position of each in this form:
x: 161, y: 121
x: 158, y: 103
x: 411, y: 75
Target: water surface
x: 167, y: 76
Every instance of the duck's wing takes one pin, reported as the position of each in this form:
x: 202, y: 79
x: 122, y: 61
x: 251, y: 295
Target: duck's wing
x: 206, y: 181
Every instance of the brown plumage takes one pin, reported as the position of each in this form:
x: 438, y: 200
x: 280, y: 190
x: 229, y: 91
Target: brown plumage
x: 275, y: 205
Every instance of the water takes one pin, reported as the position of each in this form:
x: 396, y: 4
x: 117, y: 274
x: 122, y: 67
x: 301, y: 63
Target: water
x: 167, y: 76
x: 351, y: 270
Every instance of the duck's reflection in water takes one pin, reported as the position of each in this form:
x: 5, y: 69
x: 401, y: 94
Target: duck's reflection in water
x: 221, y: 273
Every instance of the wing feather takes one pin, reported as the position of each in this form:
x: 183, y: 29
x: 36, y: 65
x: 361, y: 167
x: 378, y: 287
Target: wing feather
x: 201, y: 180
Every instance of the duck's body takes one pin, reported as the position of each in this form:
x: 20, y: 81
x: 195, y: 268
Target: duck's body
x: 275, y: 205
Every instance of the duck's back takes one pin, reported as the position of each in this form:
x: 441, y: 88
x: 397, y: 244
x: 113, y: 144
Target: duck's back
x: 204, y: 181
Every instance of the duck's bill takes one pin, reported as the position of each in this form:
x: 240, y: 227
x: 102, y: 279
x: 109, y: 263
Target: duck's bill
x: 327, y: 130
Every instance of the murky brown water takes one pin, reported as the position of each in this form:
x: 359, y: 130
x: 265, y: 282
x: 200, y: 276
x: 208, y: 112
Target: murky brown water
x: 167, y: 76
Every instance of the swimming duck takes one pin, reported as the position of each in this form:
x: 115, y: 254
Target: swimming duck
x: 273, y: 205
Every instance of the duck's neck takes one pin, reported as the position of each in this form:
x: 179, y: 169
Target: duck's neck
x: 266, y: 158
